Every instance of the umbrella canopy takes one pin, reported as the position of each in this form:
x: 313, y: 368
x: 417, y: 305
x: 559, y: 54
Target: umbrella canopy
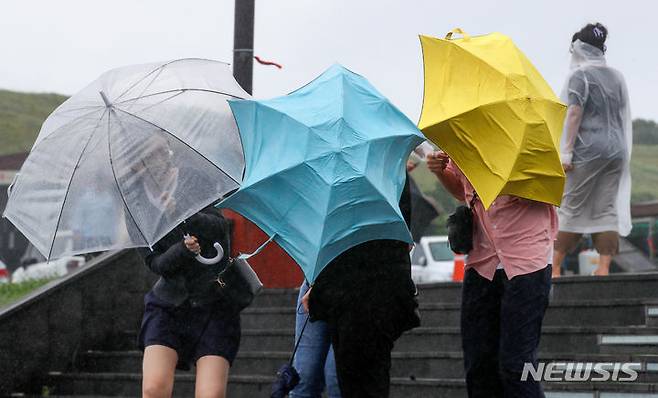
x: 488, y: 107
x: 325, y: 167
x: 129, y: 157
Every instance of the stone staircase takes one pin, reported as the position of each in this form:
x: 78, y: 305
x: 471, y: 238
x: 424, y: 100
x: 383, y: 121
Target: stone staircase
x: 611, y: 319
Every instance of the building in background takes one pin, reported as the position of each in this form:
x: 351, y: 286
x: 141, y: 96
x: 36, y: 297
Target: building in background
x: 12, y: 243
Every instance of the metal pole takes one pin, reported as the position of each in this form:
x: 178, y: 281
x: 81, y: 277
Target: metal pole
x: 243, y: 43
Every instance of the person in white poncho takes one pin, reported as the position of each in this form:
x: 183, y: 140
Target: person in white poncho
x: 595, y: 150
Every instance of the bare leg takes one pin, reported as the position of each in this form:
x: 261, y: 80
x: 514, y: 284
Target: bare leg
x: 605, y: 242
x: 604, y: 265
x: 211, y: 377
x: 158, y: 368
x: 565, y: 243
x: 558, y: 258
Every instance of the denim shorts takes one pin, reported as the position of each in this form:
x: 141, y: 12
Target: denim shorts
x: 193, y: 332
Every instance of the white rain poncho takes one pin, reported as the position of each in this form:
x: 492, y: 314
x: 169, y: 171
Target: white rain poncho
x: 597, y: 191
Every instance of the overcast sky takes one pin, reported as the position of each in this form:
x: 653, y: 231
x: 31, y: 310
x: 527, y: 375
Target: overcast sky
x: 60, y: 46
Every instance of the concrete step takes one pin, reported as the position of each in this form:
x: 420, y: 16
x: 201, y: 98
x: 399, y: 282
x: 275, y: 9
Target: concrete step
x: 404, y: 364
x: 129, y: 385
x: 618, y: 286
x: 574, y: 313
x: 278, y: 321
x: 629, y: 343
x: 566, y: 288
x: 604, y: 312
x: 554, y: 339
x: 652, y: 315
x: 611, y: 319
x: 276, y: 298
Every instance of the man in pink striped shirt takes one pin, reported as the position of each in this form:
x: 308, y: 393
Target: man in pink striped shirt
x: 506, y: 286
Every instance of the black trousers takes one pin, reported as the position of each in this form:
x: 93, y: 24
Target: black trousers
x: 362, y: 338
x: 501, y: 326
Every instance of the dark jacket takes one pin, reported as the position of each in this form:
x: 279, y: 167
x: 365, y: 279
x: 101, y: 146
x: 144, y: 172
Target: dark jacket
x: 374, y: 273
x: 181, y: 276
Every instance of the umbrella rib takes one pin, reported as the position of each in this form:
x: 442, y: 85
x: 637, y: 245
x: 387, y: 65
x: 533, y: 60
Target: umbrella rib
x: 322, y: 75
x: 58, y: 129
x: 502, y: 101
x: 77, y: 108
x: 142, y: 79
x: 485, y: 62
x: 116, y: 181
x: 179, y: 90
x: 159, y: 72
x: 179, y: 140
x: 275, y: 172
x: 174, y: 95
x: 68, y: 187
x: 291, y: 117
x: 160, y: 67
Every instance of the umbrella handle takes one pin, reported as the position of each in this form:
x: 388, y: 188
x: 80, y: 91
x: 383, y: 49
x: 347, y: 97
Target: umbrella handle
x: 458, y: 31
x: 206, y: 260
x: 213, y: 260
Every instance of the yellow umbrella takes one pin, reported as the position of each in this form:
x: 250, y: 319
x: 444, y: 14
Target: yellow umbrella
x: 488, y: 108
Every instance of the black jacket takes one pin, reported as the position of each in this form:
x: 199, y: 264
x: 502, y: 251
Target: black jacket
x: 181, y: 276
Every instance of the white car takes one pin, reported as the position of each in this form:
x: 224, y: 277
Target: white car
x: 432, y: 260
x: 47, y: 270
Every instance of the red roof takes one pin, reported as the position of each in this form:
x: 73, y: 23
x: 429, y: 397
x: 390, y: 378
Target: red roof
x: 13, y: 161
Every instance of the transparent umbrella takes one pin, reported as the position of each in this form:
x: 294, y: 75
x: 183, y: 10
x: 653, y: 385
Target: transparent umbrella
x: 129, y: 157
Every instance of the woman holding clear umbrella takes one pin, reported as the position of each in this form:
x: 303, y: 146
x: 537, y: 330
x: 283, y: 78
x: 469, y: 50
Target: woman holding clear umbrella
x: 186, y: 322
x: 595, y: 151
x: 154, y: 144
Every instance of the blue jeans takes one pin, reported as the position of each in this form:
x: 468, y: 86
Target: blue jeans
x: 314, y: 359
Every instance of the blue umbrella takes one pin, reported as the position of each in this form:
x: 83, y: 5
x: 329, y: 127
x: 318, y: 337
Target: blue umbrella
x: 324, y: 167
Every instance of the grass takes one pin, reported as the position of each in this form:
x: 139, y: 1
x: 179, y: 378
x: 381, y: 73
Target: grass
x: 644, y: 173
x: 21, y: 116
x: 11, y: 292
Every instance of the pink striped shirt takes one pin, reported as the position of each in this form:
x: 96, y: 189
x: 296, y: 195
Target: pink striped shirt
x: 515, y: 232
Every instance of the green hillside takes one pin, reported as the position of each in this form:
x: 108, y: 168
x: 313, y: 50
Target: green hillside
x: 644, y: 173
x: 21, y: 115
